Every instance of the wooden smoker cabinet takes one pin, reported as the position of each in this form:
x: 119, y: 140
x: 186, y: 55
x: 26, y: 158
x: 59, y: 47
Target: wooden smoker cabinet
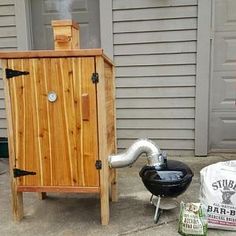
x: 61, y: 123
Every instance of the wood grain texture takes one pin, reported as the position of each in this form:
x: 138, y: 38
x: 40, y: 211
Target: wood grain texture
x: 61, y: 23
x: 68, y: 87
x: 114, y: 179
x: 59, y: 126
x: 51, y: 53
x: 77, y: 78
x: 55, y: 54
x: 103, y: 145
x: 17, y: 197
x: 51, y: 138
x: 64, y: 37
x: 85, y: 106
x: 58, y: 189
x: 111, y: 124
x: 61, y: 140
x: 90, y: 137
x: 75, y: 34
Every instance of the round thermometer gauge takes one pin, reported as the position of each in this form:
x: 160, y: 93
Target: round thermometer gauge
x: 52, y: 96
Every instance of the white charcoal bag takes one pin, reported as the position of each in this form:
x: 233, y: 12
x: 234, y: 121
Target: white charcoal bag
x: 218, y: 194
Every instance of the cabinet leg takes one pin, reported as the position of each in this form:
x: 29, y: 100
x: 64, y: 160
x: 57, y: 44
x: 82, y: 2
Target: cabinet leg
x: 114, y: 191
x: 105, y: 211
x: 42, y: 195
x: 104, y: 195
x: 17, y: 203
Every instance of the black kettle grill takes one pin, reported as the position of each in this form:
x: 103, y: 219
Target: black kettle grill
x: 168, y: 180
x: 164, y: 179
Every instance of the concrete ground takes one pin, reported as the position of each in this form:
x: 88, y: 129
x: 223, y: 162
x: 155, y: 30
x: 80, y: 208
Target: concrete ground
x: 79, y: 214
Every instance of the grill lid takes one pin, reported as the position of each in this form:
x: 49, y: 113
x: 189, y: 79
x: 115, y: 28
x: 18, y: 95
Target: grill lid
x: 170, y: 181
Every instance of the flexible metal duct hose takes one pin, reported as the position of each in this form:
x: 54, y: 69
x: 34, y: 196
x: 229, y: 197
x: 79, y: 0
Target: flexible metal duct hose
x: 141, y: 146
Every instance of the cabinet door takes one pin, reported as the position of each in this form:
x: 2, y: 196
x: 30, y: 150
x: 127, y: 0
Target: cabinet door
x: 55, y: 121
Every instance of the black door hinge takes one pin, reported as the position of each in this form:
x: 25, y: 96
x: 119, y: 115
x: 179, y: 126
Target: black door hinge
x: 98, y: 164
x: 13, y: 73
x: 95, y: 78
x: 19, y: 173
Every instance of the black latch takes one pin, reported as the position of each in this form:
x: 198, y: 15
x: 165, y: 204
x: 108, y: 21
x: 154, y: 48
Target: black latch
x: 19, y: 173
x: 13, y: 73
x: 98, y: 164
x: 95, y: 78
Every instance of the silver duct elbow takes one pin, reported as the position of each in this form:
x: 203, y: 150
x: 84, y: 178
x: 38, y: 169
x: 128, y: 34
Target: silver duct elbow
x: 141, y: 146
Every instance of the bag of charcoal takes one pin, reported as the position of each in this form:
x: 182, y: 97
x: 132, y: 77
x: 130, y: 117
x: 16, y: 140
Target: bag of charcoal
x: 218, y: 194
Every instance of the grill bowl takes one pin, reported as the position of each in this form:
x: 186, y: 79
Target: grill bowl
x: 171, y: 180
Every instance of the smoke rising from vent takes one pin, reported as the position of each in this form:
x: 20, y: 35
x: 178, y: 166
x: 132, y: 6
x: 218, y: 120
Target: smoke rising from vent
x: 65, y: 9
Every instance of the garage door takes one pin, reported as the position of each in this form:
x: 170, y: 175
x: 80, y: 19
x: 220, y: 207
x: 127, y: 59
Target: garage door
x: 223, y: 84
x: 86, y: 12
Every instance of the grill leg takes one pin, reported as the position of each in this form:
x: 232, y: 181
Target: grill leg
x: 151, y: 199
x: 157, y: 211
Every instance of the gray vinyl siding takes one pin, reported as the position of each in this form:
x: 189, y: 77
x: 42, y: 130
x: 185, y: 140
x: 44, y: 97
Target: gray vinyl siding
x: 155, y: 57
x: 8, y: 41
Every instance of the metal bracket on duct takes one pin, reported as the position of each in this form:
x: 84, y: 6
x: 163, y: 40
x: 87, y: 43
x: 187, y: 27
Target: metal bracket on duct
x: 141, y: 146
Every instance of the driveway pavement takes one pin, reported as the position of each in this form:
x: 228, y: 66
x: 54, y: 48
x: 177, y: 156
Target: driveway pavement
x: 79, y: 214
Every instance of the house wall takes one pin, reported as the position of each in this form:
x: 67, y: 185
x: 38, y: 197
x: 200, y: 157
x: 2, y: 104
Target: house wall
x: 155, y: 57
x: 163, y: 51
x: 8, y: 41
